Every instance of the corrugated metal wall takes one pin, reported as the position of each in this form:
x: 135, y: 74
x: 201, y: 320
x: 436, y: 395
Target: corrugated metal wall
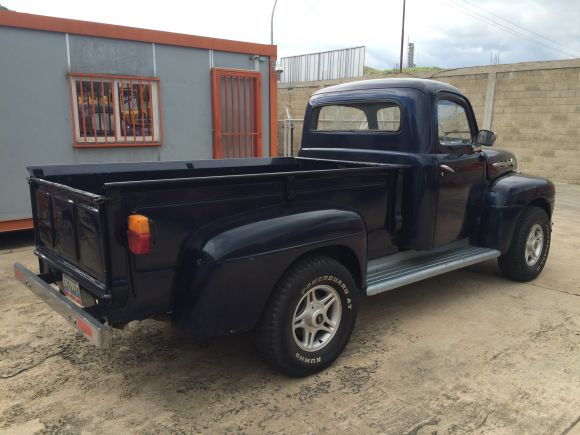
x: 35, y: 121
x: 327, y: 65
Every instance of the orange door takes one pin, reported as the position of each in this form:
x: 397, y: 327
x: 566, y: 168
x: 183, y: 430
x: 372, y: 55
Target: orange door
x: 236, y: 113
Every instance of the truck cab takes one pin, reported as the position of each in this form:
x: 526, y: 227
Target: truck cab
x: 458, y: 186
x: 394, y: 183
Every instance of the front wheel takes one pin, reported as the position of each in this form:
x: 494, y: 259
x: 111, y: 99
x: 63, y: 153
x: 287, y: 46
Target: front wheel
x: 529, y: 247
x: 309, y: 318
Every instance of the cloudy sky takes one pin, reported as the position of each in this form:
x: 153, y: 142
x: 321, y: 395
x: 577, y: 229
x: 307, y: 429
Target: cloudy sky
x: 447, y: 33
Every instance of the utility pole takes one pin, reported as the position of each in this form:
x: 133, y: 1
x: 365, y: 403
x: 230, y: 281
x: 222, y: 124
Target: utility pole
x: 272, y: 23
x: 402, y: 39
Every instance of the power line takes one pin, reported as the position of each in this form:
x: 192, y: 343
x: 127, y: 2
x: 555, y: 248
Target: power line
x: 505, y: 28
x: 521, y: 27
x: 494, y: 23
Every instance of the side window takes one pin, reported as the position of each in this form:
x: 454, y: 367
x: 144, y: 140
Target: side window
x: 341, y: 118
x: 453, y: 124
x: 389, y: 118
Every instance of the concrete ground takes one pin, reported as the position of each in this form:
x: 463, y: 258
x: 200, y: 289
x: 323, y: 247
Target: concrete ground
x: 464, y: 352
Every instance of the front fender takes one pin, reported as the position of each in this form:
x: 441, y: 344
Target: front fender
x: 505, y: 200
x: 231, y: 267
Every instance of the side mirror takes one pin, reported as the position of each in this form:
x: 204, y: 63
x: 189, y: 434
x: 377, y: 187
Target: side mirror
x: 485, y: 138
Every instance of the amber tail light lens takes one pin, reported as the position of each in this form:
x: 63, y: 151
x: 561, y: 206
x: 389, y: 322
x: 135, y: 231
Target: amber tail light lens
x: 139, y: 234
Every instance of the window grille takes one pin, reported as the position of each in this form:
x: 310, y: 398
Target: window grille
x: 115, y: 110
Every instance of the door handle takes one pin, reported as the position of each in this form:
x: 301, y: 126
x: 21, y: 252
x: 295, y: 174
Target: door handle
x: 446, y: 169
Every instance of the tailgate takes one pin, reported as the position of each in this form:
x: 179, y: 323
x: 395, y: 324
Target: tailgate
x: 69, y: 227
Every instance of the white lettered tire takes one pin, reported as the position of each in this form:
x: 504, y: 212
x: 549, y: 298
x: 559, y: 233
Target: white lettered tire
x: 309, y: 318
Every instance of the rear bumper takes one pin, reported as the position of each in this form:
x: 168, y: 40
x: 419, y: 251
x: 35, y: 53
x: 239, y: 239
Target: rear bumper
x: 96, y: 332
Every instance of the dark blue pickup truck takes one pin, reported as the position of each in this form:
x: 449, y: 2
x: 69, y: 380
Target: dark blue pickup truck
x: 394, y: 183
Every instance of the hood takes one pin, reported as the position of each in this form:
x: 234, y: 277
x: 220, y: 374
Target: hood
x: 499, y: 162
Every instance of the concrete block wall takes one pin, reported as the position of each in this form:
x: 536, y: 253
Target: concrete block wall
x: 533, y: 107
x: 537, y: 116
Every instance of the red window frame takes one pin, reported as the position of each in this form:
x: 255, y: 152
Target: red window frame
x: 121, y: 124
x: 234, y: 90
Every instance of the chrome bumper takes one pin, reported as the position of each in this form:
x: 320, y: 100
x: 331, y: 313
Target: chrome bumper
x: 95, y: 331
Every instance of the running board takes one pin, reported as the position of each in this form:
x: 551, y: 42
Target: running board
x: 397, y: 270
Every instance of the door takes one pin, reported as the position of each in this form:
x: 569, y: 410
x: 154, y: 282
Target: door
x: 461, y: 170
x: 236, y: 113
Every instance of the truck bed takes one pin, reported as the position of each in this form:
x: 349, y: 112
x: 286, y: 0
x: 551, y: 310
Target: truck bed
x: 96, y: 178
x: 81, y: 212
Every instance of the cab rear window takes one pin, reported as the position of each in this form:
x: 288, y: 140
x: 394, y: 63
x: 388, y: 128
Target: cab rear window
x: 384, y: 117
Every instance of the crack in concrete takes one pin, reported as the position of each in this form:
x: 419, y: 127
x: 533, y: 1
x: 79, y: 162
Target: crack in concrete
x: 433, y: 421
x: 553, y: 289
x: 414, y: 405
x: 32, y: 366
x: 571, y: 426
x: 15, y: 250
x: 468, y: 269
x: 482, y: 422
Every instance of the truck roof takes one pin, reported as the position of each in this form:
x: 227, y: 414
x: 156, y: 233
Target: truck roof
x: 425, y: 85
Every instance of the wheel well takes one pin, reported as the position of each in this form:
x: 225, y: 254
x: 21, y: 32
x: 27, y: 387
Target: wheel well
x: 543, y: 204
x: 343, y: 255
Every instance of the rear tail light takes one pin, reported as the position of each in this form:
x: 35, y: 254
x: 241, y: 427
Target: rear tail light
x: 139, y: 234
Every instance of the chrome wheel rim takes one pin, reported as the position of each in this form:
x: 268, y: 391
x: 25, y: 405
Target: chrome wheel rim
x: 316, y: 318
x: 534, y: 244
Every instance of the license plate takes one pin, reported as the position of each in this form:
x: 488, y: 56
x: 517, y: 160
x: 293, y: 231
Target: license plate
x: 71, y: 289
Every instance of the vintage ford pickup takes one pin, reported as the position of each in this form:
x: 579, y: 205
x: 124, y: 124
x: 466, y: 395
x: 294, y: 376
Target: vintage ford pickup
x: 394, y: 183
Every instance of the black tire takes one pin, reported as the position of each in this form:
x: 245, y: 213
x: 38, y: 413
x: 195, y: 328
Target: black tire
x: 513, y: 263
x: 277, y: 338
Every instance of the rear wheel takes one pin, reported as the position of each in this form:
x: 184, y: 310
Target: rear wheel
x: 310, y: 317
x: 529, y: 247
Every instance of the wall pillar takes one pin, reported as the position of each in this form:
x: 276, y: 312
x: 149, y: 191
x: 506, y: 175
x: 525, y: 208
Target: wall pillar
x: 489, y: 99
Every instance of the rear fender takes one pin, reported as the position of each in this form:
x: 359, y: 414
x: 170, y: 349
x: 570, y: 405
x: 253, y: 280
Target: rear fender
x: 505, y: 200
x: 230, y: 269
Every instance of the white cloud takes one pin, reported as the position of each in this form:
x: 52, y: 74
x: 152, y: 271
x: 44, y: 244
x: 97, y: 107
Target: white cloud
x: 443, y: 36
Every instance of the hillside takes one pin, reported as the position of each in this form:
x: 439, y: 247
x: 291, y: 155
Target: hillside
x: 369, y: 71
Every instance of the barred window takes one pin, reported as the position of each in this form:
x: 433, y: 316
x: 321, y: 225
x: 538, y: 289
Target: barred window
x: 115, y: 110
